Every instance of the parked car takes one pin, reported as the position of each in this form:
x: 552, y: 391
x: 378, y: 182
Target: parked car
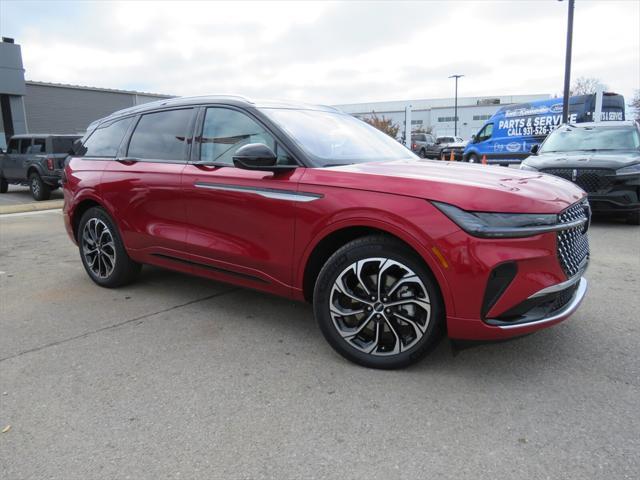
x: 36, y: 161
x: 435, y: 149
x: 457, y: 147
x: 313, y: 204
x: 421, y: 142
x: 601, y: 158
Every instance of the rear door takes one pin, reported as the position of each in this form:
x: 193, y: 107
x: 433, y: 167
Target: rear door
x: 241, y: 222
x: 142, y: 186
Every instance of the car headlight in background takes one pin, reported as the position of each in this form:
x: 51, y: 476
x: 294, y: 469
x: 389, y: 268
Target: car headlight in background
x: 504, y: 225
x: 524, y: 166
x: 630, y: 170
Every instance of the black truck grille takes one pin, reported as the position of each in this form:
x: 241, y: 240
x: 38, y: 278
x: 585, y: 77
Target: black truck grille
x: 573, y: 244
x: 591, y: 180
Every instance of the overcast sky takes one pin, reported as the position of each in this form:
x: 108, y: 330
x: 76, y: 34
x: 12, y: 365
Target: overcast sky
x: 326, y: 52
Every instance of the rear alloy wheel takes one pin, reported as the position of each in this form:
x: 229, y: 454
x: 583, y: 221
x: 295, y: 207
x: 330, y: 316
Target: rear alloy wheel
x: 39, y: 190
x: 377, y: 304
x: 102, y: 252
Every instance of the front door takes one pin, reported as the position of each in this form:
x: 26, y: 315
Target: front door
x: 12, y: 164
x: 240, y: 222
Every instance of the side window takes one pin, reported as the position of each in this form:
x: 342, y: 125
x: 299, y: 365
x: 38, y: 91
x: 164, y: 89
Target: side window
x: 62, y: 144
x: 38, y: 146
x: 106, y: 139
x: 25, y: 143
x: 13, y: 146
x: 486, y: 132
x: 224, y: 131
x: 161, y: 135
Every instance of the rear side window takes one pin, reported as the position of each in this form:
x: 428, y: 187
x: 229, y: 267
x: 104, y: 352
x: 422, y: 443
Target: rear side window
x: 39, y: 146
x: 161, y: 135
x: 25, y: 143
x: 62, y: 144
x: 106, y: 139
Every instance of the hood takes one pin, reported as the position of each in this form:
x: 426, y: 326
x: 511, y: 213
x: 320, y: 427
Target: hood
x: 602, y: 159
x: 468, y: 186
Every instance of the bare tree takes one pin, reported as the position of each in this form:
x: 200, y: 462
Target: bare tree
x: 383, y: 124
x: 585, y: 86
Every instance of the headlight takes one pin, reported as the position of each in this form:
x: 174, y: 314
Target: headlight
x: 630, y: 170
x: 524, y: 166
x: 504, y: 225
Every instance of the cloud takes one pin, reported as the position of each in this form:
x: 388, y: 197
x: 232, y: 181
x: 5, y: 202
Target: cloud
x: 325, y: 52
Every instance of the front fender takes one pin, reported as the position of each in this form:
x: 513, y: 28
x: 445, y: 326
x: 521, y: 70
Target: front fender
x: 414, y: 221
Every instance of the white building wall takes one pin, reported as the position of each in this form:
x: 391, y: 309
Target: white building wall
x: 434, y: 113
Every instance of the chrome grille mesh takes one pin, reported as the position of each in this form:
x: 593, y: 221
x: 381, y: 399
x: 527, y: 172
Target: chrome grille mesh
x: 573, y: 244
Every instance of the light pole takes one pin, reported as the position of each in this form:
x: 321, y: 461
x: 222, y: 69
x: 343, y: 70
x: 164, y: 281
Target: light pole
x: 455, y: 109
x: 567, y: 64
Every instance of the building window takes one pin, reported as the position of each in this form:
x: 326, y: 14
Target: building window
x: 481, y: 117
x: 416, y: 122
x: 448, y: 119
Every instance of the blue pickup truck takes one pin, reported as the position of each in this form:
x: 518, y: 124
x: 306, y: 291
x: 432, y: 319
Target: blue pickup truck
x: 508, y: 136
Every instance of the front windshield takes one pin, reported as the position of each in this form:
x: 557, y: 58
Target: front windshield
x: 567, y: 139
x: 333, y: 138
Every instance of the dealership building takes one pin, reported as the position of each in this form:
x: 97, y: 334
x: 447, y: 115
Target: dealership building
x: 437, y: 115
x: 39, y: 107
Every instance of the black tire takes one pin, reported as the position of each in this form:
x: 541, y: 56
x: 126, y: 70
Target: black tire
x: 423, y: 153
x: 39, y: 190
x: 371, y: 249
x: 123, y: 270
x: 473, y: 158
x: 4, y: 185
x: 634, y: 218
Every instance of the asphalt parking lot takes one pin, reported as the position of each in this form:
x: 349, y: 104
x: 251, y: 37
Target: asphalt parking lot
x: 19, y: 195
x: 178, y: 377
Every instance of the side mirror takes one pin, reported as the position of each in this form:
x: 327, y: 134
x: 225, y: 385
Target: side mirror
x: 534, y: 150
x: 258, y: 156
x: 473, y: 138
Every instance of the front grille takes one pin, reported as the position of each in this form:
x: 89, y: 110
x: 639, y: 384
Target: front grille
x: 591, y: 180
x: 573, y: 244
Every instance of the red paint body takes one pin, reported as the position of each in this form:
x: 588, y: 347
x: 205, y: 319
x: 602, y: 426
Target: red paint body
x: 265, y: 243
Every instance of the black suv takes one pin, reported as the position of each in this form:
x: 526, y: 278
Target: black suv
x: 602, y: 158
x: 35, y: 160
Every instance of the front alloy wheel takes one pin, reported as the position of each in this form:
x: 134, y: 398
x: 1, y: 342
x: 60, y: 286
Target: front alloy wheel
x: 377, y: 303
x: 380, y: 306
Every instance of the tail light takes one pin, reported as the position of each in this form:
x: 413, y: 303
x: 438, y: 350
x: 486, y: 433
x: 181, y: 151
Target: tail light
x: 51, y: 163
x: 414, y: 146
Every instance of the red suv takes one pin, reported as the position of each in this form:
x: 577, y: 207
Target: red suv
x: 313, y: 204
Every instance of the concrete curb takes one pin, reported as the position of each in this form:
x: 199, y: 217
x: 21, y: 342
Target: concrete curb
x: 31, y: 207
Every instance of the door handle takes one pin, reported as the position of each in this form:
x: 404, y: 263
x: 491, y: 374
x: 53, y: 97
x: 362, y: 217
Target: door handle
x: 127, y: 160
